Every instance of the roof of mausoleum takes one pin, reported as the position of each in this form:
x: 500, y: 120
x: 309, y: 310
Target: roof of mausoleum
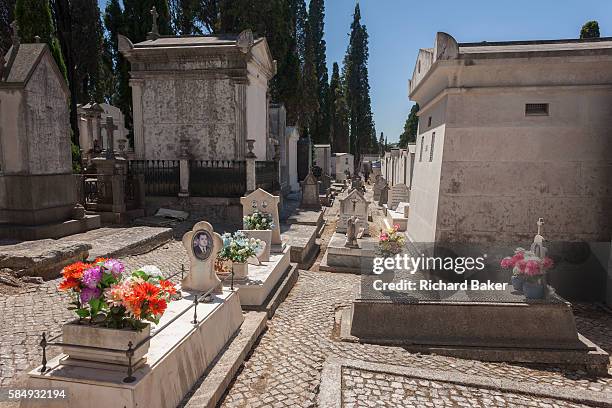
x: 194, y: 41
x: 508, y: 63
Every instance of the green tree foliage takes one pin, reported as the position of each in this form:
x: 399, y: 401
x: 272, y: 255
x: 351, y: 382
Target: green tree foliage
x: 34, y: 19
x: 7, y: 15
x: 194, y: 16
x: 362, y: 133
x: 338, y: 113
x: 320, y: 126
x: 590, y: 29
x: 410, y: 127
x: 273, y: 19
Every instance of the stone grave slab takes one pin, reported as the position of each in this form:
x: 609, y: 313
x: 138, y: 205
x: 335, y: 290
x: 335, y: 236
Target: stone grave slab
x: 397, y: 194
x: 354, y: 204
x: 44, y: 258
x: 308, y: 217
x: 303, y: 242
x: 310, y: 192
x: 398, y: 217
x: 262, y: 279
x: 217, y: 322
x: 340, y: 258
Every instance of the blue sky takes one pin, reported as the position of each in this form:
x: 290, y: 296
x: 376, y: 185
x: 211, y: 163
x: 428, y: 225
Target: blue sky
x: 398, y: 28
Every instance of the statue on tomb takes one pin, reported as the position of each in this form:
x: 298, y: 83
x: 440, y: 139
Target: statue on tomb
x: 351, y: 233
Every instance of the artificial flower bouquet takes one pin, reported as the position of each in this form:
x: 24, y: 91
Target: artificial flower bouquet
x: 527, y: 265
x: 107, y: 295
x: 238, y: 247
x: 390, y: 241
x: 258, y: 221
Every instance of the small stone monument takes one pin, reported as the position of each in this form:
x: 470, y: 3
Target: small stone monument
x: 379, y: 184
x: 354, y: 204
x: 264, y: 202
x: 310, y: 193
x: 202, y: 244
x: 399, y: 193
x: 384, y: 194
x: 351, y: 233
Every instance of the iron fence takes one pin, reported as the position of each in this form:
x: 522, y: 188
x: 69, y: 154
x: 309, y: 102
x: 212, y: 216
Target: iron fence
x: 161, y: 177
x: 217, y: 178
x: 266, y: 175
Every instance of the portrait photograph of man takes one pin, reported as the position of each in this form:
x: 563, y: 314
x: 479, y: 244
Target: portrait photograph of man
x: 202, y: 245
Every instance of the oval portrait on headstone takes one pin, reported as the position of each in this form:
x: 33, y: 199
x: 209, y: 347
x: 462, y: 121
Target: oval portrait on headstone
x: 202, y: 245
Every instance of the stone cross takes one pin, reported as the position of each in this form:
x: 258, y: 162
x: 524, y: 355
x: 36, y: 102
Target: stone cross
x: 354, y: 201
x: 202, y: 244
x: 110, y: 131
x: 15, y: 36
x: 154, y: 34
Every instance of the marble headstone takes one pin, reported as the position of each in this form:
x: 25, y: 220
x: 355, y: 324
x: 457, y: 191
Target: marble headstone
x: 310, y: 192
x: 202, y: 244
x: 379, y: 184
x: 264, y: 202
x: 397, y: 194
x: 384, y: 195
x: 354, y: 204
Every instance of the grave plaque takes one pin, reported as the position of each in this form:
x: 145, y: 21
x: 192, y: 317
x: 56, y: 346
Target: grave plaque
x: 202, y: 244
x: 397, y: 194
x: 354, y: 204
x: 264, y: 202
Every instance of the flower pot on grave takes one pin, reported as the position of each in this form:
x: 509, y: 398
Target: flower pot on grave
x: 533, y: 290
x: 517, y: 282
x: 114, y: 341
x: 241, y: 270
x: 264, y: 236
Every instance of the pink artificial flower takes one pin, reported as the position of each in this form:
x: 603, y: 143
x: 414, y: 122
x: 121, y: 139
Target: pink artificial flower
x: 547, y: 263
x: 507, y: 263
x: 396, y: 227
x: 521, y: 264
x: 532, y: 268
x: 518, y: 256
x: 384, y: 236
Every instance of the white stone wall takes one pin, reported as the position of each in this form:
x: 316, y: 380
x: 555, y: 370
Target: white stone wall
x: 257, y: 112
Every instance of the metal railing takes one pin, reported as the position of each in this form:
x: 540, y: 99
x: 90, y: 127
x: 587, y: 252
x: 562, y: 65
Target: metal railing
x: 266, y: 175
x: 161, y: 177
x: 131, y: 348
x: 217, y: 178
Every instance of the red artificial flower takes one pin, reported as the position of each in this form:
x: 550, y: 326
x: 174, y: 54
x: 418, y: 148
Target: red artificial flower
x: 101, y: 260
x: 75, y: 270
x: 157, y: 306
x: 69, y: 283
x: 145, y: 291
x: 167, y: 287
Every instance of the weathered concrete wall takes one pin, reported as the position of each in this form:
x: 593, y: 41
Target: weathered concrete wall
x: 12, y: 118
x: 47, y: 123
x: 502, y: 169
x: 257, y: 112
x: 422, y: 221
x: 200, y: 110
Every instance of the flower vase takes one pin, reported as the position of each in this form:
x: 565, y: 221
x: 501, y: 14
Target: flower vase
x: 533, y: 290
x: 517, y: 282
x: 264, y: 236
x: 241, y: 270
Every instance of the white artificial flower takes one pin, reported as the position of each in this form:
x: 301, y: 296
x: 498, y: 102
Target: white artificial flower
x: 152, y: 270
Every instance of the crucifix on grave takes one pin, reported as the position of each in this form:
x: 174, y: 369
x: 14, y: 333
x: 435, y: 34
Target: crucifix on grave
x: 154, y: 33
x: 354, y: 201
x: 110, y: 131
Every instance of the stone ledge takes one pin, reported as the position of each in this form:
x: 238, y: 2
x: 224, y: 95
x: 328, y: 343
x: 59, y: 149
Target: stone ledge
x: 330, y: 391
x: 211, y: 387
x: 278, y: 293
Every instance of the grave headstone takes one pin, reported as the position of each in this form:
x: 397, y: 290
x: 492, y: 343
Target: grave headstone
x: 403, y: 208
x: 264, y: 202
x: 398, y: 193
x: 202, y: 244
x: 379, y: 184
x: 384, y: 195
x: 310, y: 193
x: 354, y: 204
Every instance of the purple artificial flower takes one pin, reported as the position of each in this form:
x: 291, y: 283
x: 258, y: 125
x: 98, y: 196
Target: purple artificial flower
x: 89, y: 293
x: 115, y: 267
x: 92, y: 276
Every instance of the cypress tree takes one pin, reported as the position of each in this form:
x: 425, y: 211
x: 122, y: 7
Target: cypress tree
x: 362, y: 133
x: 320, y: 121
x: 410, y: 127
x: 338, y: 113
x: 7, y: 15
x: 590, y: 29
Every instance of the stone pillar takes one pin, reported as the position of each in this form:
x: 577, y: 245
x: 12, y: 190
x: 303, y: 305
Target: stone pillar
x: 184, y: 168
x: 241, y: 120
x: 251, y: 181
x: 139, y: 140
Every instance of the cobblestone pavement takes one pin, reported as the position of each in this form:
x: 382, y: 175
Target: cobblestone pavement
x: 362, y: 388
x: 285, y: 367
